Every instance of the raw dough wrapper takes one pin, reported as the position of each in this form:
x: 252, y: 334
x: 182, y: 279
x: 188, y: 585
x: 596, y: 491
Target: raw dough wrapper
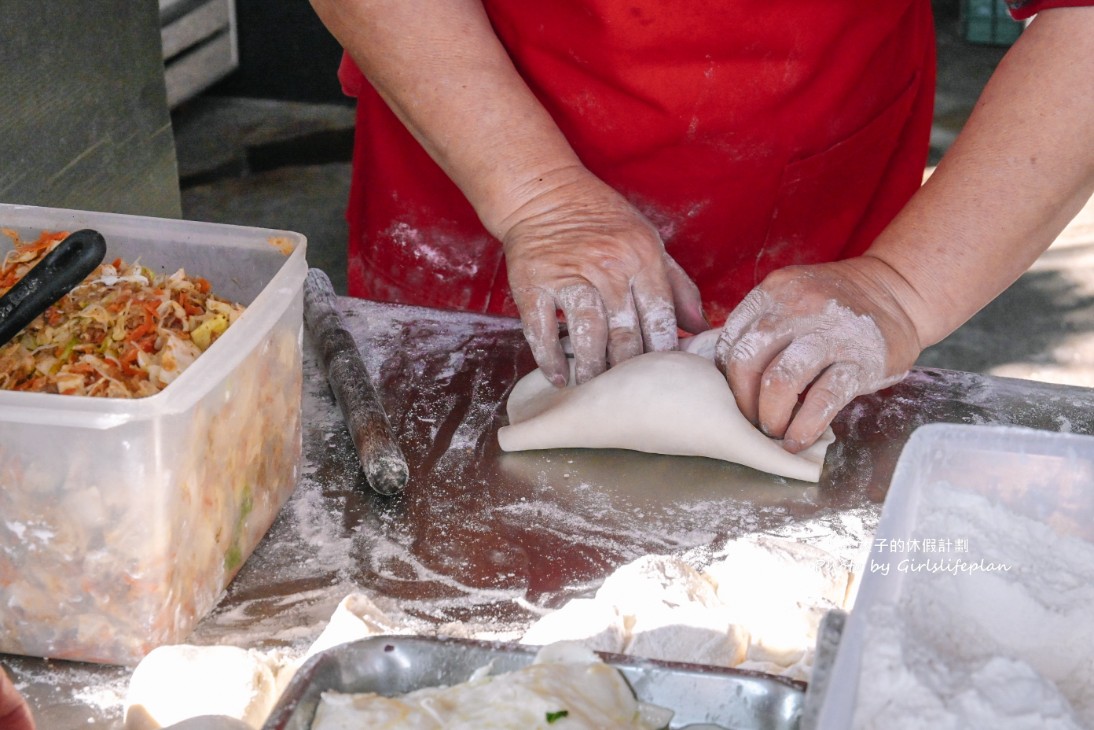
x: 673, y: 403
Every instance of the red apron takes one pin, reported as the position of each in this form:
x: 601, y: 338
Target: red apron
x: 754, y: 136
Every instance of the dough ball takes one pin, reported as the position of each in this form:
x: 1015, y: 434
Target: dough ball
x: 180, y: 682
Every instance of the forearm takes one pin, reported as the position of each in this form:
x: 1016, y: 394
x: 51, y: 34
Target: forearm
x: 1019, y: 171
x: 440, y: 67
x: 572, y: 243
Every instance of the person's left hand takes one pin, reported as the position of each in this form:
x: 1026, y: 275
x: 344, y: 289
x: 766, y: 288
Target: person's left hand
x: 14, y: 712
x: 833, y: 331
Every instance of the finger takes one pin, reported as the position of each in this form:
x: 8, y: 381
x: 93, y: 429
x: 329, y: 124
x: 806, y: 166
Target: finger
x: 658, y: 322
x: 656, y: 315
x: 540, y: 323
x: 624, y: 328
x: 834, y: 389
x: 744, y: 315
x: 587, y: 323
x: 750, y: 357
x: 788, y: 375
x: 686, y: 299
x: 624, y: 334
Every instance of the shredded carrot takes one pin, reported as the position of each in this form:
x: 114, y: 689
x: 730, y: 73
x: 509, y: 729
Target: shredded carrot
x: 114, y: 330
x: 143, y: 328
x: 187, y: 305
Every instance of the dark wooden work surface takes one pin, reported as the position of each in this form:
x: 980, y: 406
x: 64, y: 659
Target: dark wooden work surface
x: 487, y: 540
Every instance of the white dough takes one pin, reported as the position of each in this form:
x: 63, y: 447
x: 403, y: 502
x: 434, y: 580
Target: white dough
x: 757, y: 606
x: 179, y: 682
x: 780, y: 589
x: 356, y: 617
x: 210, y: 722
x: 792, y: 574
x: 596, y: 624
x: 691, y: 633
x: 674, y: 403
x: 563, y: 680
x: 661, y: 580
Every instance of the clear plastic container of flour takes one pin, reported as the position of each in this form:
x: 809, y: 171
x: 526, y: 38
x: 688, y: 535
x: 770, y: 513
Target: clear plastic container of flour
x: 122, y: 520
x: 1039, y: 474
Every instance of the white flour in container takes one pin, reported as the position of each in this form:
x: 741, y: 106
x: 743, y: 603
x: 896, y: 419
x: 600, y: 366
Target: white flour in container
x: 998, y: 636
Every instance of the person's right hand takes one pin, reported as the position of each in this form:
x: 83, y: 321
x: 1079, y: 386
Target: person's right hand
x: 14, y: 712
x: 581, y: 248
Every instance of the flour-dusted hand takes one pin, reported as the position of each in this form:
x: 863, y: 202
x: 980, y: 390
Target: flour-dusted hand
x: 579, y: 247
x: 832, y: 331
x: 14, y: 712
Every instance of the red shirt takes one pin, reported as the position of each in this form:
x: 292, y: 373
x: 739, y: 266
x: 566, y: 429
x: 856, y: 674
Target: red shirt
x: 1022, y: 9
x: 753, y: 136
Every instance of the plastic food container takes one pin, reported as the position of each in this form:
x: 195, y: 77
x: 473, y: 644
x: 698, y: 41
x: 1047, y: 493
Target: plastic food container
x: 1041, y: 475
x: 122, y: 521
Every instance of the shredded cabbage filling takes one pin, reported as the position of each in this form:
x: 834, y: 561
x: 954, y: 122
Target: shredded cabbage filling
x: 123, y: 332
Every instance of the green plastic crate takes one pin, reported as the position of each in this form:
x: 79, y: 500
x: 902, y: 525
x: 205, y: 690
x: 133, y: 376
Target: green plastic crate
x: 988, y: 22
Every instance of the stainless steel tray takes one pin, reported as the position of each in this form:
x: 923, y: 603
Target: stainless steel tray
x: 391, y: 665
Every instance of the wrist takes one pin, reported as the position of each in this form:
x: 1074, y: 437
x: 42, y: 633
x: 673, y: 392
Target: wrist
x: 905, y: 303
x: 520, y: 196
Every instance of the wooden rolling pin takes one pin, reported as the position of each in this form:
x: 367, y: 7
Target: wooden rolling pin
x: 381, y: 458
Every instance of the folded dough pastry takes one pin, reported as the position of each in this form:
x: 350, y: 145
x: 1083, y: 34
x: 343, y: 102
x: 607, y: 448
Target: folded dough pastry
x: 674, y: 403
x: 567, y: 684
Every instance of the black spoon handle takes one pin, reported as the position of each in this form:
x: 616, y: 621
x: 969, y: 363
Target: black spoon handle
x: 55, y: 275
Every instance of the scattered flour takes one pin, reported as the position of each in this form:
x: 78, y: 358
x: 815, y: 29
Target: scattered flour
x: 323, y: 559
x: 754, y: 605
x: 1002, y: 638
